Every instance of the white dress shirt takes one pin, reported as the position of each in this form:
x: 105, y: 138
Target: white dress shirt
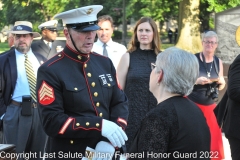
x: 115, y: 50
x: 48, y: 43
x: 22, y: 86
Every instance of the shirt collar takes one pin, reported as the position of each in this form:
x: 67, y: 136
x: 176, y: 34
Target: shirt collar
x: 46, y: 42
x: 108, y: 43
x: 20, y: 53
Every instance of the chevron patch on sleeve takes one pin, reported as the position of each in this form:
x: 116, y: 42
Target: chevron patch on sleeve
x: 45, y: 94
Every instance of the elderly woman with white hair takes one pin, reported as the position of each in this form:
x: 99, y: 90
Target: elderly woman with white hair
x: 176, y: 128
x: 205, y: 91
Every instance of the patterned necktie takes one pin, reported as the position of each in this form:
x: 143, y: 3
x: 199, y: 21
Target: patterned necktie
x: 105, y: 53
x: 31, y: 78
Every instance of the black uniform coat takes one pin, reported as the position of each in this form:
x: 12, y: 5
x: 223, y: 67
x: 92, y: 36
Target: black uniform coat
x: 231, y: 126
x: 41, y: 47
x: 75, y: 92
x: 8, y: 77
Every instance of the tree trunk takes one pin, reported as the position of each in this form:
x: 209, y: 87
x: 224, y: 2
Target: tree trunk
x: 189, y: 38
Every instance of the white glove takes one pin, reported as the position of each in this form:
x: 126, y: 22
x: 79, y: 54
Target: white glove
x: 104, y: 151
x: 90, y: 153
x: 113, y: 133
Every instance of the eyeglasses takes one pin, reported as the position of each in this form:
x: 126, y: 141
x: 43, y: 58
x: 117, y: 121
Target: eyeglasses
x: 210, y: 42
x: 153, y: 65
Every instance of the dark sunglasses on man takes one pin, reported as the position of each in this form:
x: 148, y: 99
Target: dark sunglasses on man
x: 52, y: 30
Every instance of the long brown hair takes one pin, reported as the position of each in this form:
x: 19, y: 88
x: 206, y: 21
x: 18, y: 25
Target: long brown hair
x: 156, y: 43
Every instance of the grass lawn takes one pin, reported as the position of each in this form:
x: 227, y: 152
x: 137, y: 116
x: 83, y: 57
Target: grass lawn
x: 4, y: 47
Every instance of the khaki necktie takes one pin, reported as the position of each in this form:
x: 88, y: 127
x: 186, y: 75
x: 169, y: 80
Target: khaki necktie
x: 105, y: 53
x: 31, y: 78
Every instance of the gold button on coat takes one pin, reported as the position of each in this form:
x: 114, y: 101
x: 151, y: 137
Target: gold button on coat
x: 59, y: 55
x: 89, y: 75
x: 97, y: 124
x: 97, y: 104
x: 85, y: 65
x: 77, y: 124
x: 79, y: 57
x: 71, y: 141
x: 100, y: 115
x: 75, y: 89
x: 87, y: 124
x: 109, y: 84
x: 95, y: 94
x: 93, y: 84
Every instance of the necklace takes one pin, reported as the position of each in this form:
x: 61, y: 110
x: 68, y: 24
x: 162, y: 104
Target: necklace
x: 205, y: 65
x: 209, y: 73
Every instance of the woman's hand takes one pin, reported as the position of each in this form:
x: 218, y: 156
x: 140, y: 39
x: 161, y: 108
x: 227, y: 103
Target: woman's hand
x: 221, y: 83
x: 202, y: 81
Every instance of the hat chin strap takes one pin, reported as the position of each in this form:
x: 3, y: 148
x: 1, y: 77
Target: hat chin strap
x: 73, y: 42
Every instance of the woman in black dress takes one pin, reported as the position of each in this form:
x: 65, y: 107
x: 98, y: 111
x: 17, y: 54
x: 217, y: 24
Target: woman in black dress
x: 133, y: 73
x: 176, y: 127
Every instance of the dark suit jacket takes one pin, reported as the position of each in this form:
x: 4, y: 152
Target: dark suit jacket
x: 232, y: 122
x: 8, y: 77
x: 40, y: 47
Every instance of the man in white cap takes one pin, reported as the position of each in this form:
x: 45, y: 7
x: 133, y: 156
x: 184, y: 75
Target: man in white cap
x: 105, y: 45
x: 80, y: 102
x: 18, y: 109
x: 48, y: 46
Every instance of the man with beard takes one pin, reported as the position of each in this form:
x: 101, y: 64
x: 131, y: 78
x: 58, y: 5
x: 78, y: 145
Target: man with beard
x: 18, y: 109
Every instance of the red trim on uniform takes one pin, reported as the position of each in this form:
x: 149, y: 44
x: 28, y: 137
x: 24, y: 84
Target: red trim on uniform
x: 76, y: 128
x: 76, y: 59
x: 62, y: 55
x: 122, y: 121
x: 66, y: 124
x: 76, y: 52
x: 45, y: 94
x: 118, y: 84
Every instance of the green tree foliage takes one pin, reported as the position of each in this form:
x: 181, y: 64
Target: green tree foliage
x: 157, y: 9
x: 221, y: 5
x: 38, y: 11
x: 162, y: 10
x: 35, y: 11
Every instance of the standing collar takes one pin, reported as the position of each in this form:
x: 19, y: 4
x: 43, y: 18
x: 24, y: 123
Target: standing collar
x: 74, y: 55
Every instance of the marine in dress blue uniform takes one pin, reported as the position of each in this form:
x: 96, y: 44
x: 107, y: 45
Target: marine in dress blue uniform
x: 80, y: 101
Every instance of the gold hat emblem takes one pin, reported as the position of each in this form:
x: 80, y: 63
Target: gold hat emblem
x: 89, y: 11
x: 55, y: 25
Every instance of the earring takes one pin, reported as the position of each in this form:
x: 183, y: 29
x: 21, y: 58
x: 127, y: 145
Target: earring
x: 158, y: 84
